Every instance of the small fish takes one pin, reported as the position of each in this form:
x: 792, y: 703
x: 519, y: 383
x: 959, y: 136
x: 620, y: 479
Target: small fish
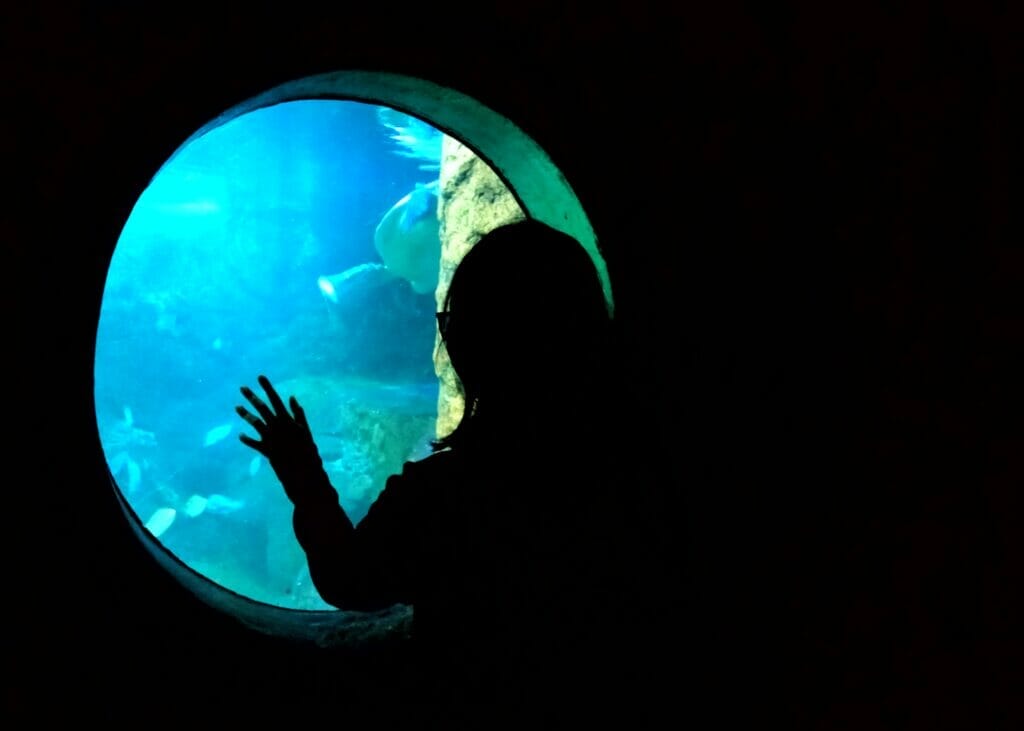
x: 160, y: 521
x: 216, y: 434
x: 222, y: 504
x: 195, y: 505
x: 254, y: 465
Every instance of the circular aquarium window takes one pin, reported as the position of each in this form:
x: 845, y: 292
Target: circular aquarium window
x: 308, y: 235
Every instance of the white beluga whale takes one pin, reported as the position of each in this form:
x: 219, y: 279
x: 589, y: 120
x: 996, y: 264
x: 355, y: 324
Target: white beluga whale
x: 408, y: 238
x: 357, y: 279
x: 408, y: 235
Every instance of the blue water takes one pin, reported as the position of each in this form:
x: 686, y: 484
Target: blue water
x: 216, y: 279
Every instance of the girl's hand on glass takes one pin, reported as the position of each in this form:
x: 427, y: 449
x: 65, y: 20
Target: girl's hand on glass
x: 285, y: 440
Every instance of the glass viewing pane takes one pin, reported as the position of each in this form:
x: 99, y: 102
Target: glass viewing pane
x: 299, y: 241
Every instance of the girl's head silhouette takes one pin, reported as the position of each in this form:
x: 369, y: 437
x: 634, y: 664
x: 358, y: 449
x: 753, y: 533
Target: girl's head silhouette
x: 524, y: 316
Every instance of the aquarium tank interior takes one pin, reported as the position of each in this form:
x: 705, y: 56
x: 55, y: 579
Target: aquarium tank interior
x: 301, y: 241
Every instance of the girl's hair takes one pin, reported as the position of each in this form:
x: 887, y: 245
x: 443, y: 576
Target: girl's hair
x: 524, y: 291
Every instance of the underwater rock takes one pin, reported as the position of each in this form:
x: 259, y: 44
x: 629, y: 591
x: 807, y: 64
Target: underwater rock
x: 284, y: 559
x: 122, y: 435
x: 465, y: 180
x: 365, y: 430
x: 303, y: 594
x: 122, y: 441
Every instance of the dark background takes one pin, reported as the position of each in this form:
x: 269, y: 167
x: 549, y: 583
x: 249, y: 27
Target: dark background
x: 808, y: 220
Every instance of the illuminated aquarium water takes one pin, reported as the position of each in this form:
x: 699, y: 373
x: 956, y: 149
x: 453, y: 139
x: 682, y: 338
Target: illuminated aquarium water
x: 298, y: 241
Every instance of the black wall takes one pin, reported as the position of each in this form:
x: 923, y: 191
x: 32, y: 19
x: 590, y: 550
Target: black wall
x: 807, y: 216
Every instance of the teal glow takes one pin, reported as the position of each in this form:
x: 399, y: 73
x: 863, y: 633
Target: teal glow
x: 252, y: 251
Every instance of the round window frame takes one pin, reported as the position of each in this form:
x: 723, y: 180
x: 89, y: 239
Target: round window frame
x: 542, y: 192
